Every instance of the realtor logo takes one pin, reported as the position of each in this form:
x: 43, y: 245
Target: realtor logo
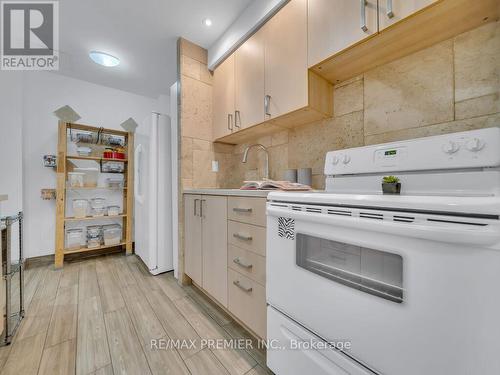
x: 30, y: 35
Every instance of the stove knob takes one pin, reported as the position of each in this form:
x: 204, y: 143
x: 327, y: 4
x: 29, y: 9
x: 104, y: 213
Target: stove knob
x: 335, y: 160
x: 474, y: 145
x: 450, y: 147
x: 346, y: 159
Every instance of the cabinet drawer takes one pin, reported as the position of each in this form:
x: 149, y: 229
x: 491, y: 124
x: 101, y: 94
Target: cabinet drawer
x: 247, y: 263
x: 247, y: 236
x: 247, y: 301
x: 247, y: 210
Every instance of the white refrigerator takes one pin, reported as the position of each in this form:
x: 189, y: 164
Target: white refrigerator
x: 153, y: 193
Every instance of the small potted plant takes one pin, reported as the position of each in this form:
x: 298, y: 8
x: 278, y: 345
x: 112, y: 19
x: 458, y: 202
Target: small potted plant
x: 391, y: 185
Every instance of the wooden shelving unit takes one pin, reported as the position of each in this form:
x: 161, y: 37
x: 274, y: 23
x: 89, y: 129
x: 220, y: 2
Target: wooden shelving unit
x: 86, y: 218
x: 97, y: 188
x: 93, y: 158
x: 64, y: 165
x: 85, y: 249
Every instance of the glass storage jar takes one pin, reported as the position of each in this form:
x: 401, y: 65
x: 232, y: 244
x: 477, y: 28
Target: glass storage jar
x: 94, y: 236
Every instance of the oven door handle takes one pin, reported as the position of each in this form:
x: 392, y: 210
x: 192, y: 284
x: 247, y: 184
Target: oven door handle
x: 453, y: 233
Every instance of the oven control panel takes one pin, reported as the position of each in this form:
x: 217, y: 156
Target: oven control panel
x: 471, y: 149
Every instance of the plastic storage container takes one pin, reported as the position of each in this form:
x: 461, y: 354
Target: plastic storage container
x: 80, y: 207
x: 113, y: 210
x: 90, y: 176
x: 112, y: 234
x: 99, y: 211
x: 84, y: 136
x: 74, y: 238
x: 98, y: 206
x: 113, y: 140
x: 75, y: 179
x: 83, y: 151
x: 94, y: 236
x: 114, y: 183
x: 112, y: 167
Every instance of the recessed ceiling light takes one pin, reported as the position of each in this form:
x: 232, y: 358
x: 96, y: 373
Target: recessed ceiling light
x: 207, y: 22
x: 104, y: 59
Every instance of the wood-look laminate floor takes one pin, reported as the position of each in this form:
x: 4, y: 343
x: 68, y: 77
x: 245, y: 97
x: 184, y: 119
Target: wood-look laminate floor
x: 98, y: 316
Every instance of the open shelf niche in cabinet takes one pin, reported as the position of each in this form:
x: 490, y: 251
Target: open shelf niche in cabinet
x: 66, y: 164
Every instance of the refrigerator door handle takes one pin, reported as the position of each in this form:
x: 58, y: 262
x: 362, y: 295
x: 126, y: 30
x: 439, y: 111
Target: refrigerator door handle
x: 138, y: 184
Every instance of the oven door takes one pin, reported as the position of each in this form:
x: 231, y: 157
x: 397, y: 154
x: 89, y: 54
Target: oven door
x: 413, y: 294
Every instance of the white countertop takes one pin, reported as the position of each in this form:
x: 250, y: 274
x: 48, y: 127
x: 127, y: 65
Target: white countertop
x: 229, y: 192
x: 3, y: 197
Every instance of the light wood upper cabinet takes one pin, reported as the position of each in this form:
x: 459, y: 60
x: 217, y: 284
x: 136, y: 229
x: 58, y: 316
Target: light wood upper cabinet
x: 392, y: 11
x: 337, y: 24
x: 286, y: 59
x: 223, y: 98
x: 249, y: 82
x: 214, y: 237
x: 192, y: 238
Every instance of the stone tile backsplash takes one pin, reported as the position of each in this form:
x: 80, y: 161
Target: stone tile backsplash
x: 452, y: 86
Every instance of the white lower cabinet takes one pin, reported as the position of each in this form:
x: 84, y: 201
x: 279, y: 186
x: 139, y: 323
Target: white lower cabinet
x: 192, y: 238
x: 225, y: 254
x: 205, y: 243
x: 214, y: 245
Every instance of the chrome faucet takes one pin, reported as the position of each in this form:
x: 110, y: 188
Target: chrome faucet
x: 245, y: 157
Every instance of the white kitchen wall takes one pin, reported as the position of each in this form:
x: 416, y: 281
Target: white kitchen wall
x: 11, y: 132
x: 41, y: 93
x: 11, y: 124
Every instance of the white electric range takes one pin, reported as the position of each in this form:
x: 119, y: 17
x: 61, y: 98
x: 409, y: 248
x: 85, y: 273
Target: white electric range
x: 411, y: 282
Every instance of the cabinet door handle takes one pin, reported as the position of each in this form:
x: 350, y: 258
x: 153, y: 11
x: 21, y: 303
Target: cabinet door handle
x: 230, y: 121
x: 390, y: 12
x: 242, y: 264
x: 363, y: 15
x: 245, y: 288
x: 238, y: 209
x: 267, y: 104
x: 195, y: 201
x: 201, y: 207
x: 237, y: 119
x: 242, y: 237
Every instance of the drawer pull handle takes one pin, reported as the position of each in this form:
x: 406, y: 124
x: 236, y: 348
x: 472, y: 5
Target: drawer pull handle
x: 242, y: 264
x: 237, y: 119
x: 390, y: 13
x: 267, y: 105
x: 237, y: 209
x: 363, y: 15
x: 242, y: 237
x: 245, y: 288
x: 195, y: 201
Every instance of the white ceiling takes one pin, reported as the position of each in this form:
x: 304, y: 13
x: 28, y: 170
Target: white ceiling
x: 143, y: 34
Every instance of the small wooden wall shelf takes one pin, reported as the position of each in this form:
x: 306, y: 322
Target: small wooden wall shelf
x: 65, y: 165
